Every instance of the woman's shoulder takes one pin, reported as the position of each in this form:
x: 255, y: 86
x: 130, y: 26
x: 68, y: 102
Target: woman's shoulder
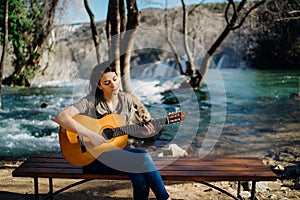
x: 87, y: 99
x: 126, y: 97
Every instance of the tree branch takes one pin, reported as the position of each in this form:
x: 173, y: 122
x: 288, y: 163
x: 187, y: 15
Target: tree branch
x: 168, y: 38
x: 246, y: 15
x: 195, y: 7
x: 190, y: 67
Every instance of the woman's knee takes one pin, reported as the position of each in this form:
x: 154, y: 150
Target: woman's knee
x: 138, y: 180
x: 136, y: 150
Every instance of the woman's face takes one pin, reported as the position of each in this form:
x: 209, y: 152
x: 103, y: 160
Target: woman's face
x: 109, y: 83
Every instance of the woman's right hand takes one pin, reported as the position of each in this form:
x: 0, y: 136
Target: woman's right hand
x: 97, y: 139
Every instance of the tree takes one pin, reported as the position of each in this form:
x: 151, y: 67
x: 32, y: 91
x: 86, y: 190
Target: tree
x: 30, y: 23
x: 120, y: 33
x: 4, y: 47
x: 235, y: 16
x: 276, y: 36
x: 94, y: 30
x: 234, y: 21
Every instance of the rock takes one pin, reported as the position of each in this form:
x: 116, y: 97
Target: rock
x: 285, y: 189
x: 173, y: 150
x: 272, y: 196
x: 297, y: 184
x: 245, y: 194
x: 177, y: 151
x: 279, y: 168
x: 44, y: 105
x: 160, y: 155
x: 96, y: 194
x: 262, y: 186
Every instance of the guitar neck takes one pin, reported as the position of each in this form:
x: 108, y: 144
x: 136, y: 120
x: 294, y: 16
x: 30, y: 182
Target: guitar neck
x: 135, y: 128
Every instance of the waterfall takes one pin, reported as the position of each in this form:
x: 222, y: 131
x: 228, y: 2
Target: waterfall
x: 158, y: 70
x: 220, y: 63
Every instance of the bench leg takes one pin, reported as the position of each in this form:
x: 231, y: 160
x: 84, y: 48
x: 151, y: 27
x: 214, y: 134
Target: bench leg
x: 239, y: 190
x: 253, y: 197
x: 36, y: 188
x: 51, y: 188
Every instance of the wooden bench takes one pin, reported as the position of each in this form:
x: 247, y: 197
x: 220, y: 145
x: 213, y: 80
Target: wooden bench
x: 172, y: 169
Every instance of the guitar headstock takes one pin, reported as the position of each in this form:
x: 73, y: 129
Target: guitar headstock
x: 175, y: 117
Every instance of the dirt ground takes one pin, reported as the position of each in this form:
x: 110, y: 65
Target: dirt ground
x: 284, y: 163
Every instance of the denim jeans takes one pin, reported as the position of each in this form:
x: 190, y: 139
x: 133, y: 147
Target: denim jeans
x: 139, y: 167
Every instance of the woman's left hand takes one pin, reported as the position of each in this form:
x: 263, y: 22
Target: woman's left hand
x: 149, y: 129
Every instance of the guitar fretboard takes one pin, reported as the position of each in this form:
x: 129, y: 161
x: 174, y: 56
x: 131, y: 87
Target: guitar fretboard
x: 135, y: 128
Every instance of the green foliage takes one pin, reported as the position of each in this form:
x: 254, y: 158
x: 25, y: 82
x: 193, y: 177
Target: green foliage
x: 26, y: 29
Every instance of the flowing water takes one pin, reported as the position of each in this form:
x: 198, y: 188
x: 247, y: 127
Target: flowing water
x: 255, y: 110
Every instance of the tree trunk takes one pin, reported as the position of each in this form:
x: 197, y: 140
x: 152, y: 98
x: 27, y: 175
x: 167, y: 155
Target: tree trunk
x: 168, y: 38
x: 195, y: 77
x: 94, y: 31
x: 190, y: 68
x: 120, y: 43
x: 4, y: 48
x: 133, y: 17
x: 115, y: 26
x: 207, y: 58
x: 108, y: 27
x: 122, y: 16
x: 43, y: 31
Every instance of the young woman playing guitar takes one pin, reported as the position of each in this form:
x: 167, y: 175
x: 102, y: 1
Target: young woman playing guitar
x: 106, y: 99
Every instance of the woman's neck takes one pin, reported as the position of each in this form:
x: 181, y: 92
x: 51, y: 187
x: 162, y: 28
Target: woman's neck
x: 112, y: 101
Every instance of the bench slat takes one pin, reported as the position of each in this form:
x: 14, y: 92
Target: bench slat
x: 177, y: 169
x: 174, y: 167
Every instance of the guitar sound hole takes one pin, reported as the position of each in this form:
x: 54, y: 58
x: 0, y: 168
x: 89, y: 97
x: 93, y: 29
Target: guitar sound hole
x: 108, y: 133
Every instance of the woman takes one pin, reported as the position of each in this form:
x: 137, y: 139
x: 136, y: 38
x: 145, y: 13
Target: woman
x: 105, y: 98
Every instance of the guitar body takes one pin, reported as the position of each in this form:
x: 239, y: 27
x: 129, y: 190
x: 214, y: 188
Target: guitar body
x: 71, y: 146
x: 79, y: 151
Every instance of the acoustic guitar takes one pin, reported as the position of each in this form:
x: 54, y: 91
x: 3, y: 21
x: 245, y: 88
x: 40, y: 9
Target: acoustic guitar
x: 79, y: 151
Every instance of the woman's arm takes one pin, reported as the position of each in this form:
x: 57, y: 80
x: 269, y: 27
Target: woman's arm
x: 66, y: 121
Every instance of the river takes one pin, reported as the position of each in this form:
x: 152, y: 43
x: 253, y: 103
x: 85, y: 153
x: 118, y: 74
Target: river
x: 245, y: 111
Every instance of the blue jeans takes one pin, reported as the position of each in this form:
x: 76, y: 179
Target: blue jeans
x: 139, y: 167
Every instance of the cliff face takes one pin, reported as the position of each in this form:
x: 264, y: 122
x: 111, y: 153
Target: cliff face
x: 72, y: 45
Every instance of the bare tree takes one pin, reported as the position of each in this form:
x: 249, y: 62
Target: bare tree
x: 233, y: 21
x: 114, y: 22
x: 190, y: 58
x: 168, y: 38
x: 4, y: 47
x: 120, y: 35
x: 191, y: 71
x: 133, y: 18
x: 190, y: 67
x: 94, y: 31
